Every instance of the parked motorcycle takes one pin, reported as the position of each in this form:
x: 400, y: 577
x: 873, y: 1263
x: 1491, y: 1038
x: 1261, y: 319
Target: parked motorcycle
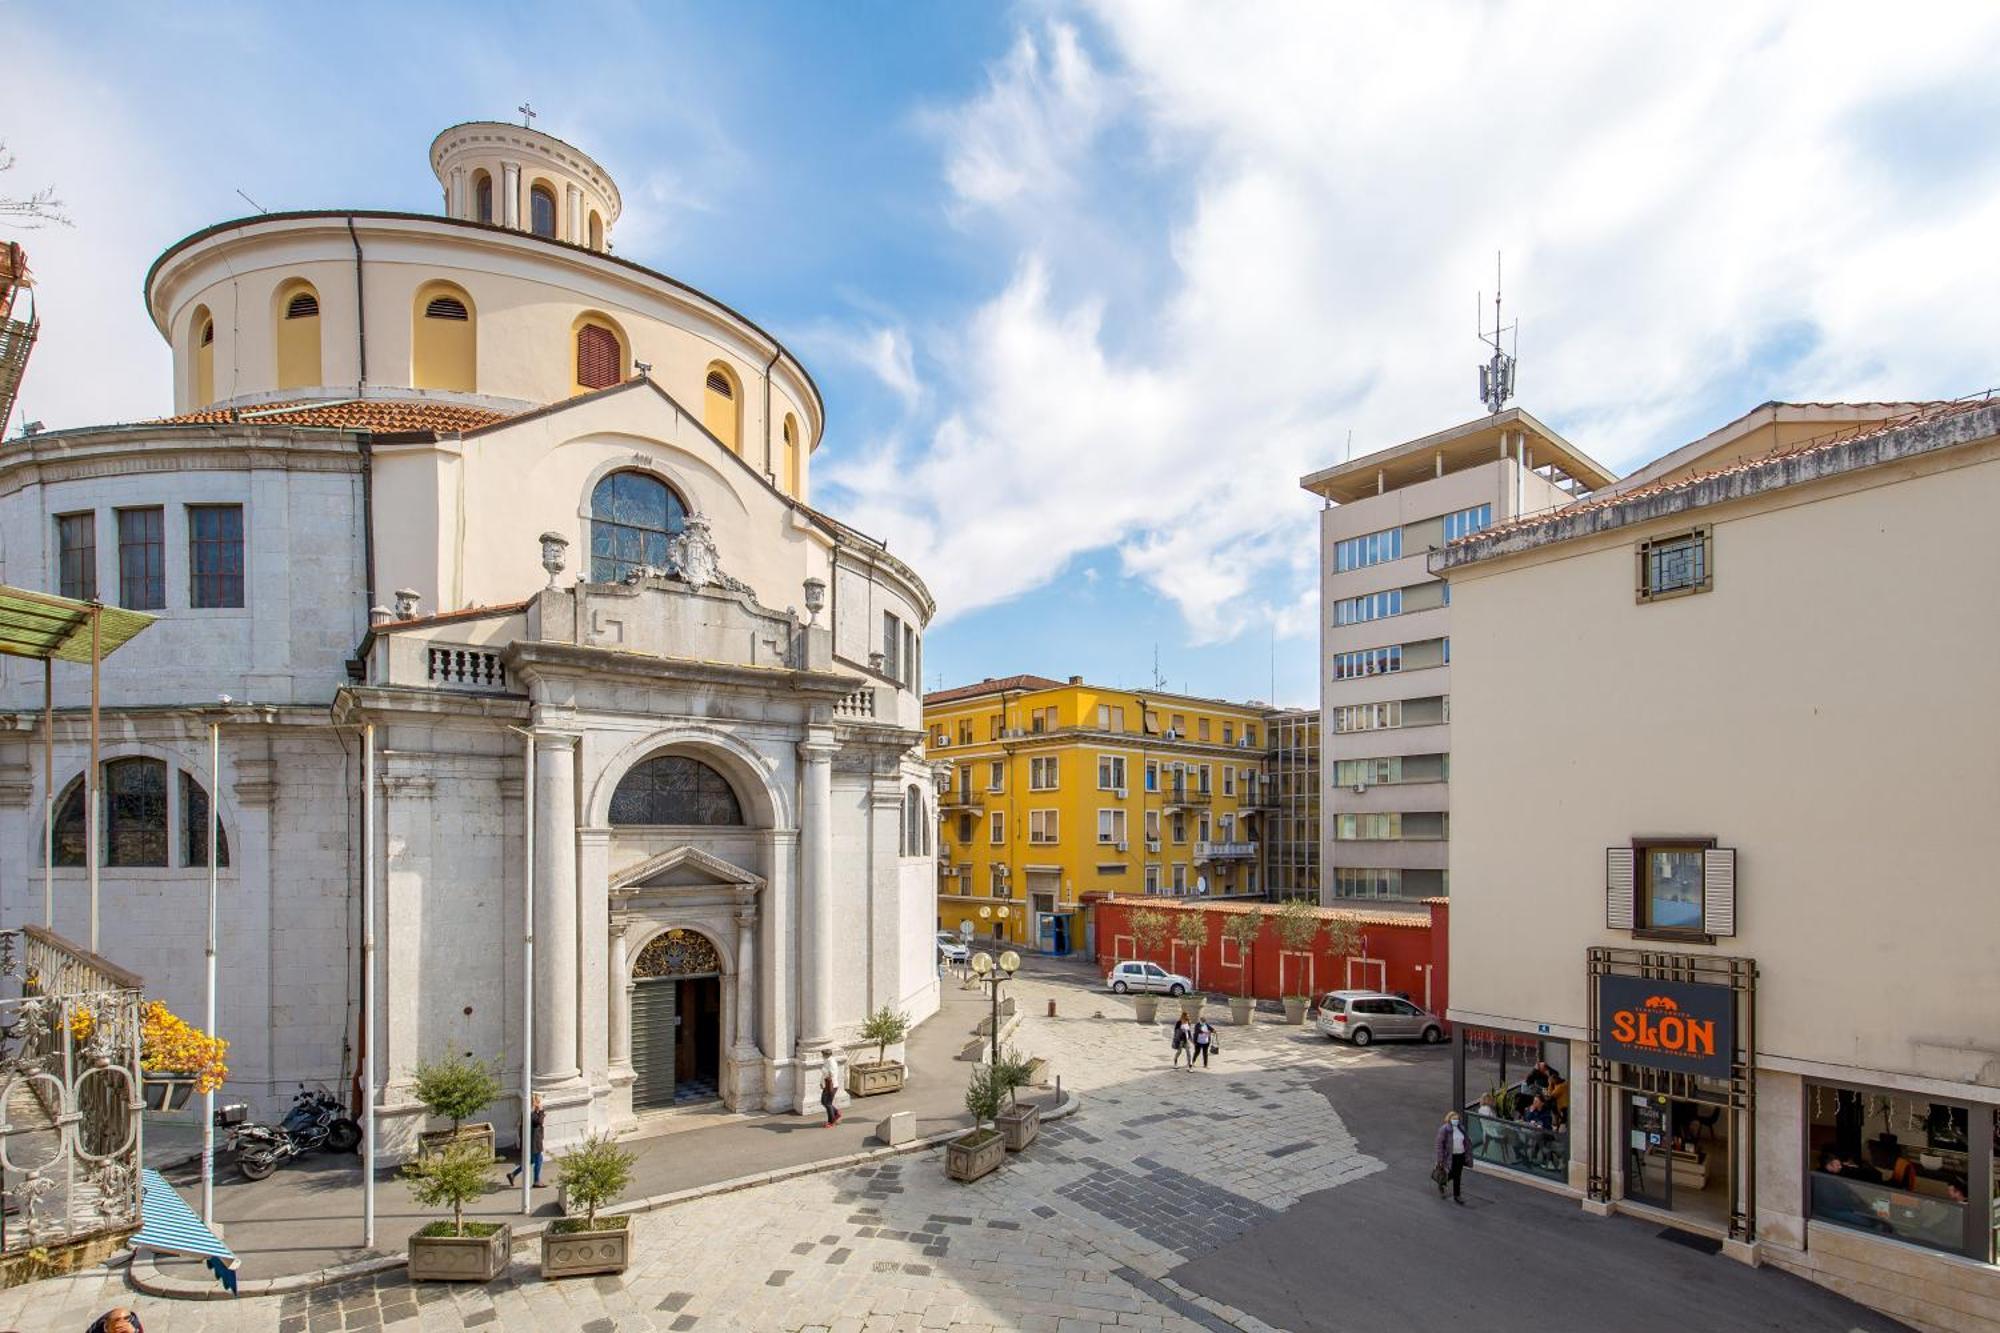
x: 316, y: 1122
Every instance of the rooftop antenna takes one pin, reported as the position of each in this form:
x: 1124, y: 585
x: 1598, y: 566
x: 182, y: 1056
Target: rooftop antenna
x: 1496, y: 377
x: 1159, y: 681
x: 528, y: 113
x: 253, y: 203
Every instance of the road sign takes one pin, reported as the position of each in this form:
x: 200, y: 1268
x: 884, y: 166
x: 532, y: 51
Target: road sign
x: 965, y: 930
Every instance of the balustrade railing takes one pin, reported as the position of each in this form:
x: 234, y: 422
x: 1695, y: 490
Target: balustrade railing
x: 459, y: 667
x: 859, y: 704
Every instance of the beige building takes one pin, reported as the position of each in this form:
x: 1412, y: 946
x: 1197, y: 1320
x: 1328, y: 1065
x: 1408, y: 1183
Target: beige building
x: 1745, y: 898
x: 1385, y: 636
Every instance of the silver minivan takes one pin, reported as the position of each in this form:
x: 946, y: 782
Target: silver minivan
x: 1362, y: 1016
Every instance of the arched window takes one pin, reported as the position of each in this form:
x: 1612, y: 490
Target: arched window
x: 194, y: 825
x: 596, y: 231
x: 482, y: 197
x: 444, y: 349
x: 298, y: 335
x: 673, y: 789
x: 542, y: 211
x: 792, y: 457
x: 134, y: 831
x: 632, y: 515
x: 600, y: 356
x: 720, y: 411
x: 202, y: 330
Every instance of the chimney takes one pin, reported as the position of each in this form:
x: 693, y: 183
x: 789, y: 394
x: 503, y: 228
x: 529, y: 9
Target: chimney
x: 1076, y: 680
x: 379, y: 616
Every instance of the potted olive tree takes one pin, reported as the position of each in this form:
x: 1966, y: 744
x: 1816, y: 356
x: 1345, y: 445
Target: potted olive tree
x: 456, y: 1088
x: 458, y: 1250
x: 972, y: 1155
x: 1191, y: 931
x: 1021, y: 1122
x: 593, y: 1173
x: 885, y: 1027
x: 1150, y: 928
x: 1242, y: 929
x: 1298, y: 927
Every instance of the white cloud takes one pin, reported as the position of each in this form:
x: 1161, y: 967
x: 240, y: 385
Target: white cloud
x: 1306, y: 197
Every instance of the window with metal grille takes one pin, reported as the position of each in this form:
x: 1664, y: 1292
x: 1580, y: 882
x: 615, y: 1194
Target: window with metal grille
x: 215, y: 555
x: 1672, y: 566
x: 673, y: 789
x: 303, y: 306
x: 599, y: 362
x: 446, y: 307
x: 76, y: 556
x: 719, y: 383
x: 632, y: 517
x: 142, y: 558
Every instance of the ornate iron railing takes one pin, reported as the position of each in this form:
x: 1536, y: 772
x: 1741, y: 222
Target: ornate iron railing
x: 70, y: 1093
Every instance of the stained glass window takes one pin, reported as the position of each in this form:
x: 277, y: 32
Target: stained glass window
x: 135, y: 812
x: 672, y: 789
x: 678, y: 953
x: 194, y: 825
x: 631, y: 517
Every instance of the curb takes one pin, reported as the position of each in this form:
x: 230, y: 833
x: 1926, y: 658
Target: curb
x: 145, y: 1276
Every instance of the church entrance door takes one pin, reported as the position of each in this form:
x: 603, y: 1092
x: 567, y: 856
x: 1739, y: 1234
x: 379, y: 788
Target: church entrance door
x: 676, y: 1022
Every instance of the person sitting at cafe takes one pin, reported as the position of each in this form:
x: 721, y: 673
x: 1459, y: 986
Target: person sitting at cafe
x: 1486, y: 1107
x: 1900, y: 1171
x: 1539, y: 1115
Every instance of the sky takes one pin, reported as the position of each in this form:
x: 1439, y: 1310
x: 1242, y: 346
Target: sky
x: 1089, y: 286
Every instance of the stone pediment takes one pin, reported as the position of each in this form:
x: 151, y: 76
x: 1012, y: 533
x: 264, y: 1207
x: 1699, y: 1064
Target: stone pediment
x: 684, y: 868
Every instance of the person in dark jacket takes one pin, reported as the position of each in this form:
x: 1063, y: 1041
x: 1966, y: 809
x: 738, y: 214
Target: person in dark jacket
x: 1184, y: 1039
x: 827, y: 1093
x: 1204, y: 1041
x: 1454, y: 1154
x: 533, y: 1147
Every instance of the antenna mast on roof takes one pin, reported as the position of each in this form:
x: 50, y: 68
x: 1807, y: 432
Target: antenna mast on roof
x: 1496, y: 377
x: 1159, y: 681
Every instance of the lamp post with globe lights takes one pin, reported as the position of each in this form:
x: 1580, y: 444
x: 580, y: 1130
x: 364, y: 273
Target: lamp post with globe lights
x: 994, y: 969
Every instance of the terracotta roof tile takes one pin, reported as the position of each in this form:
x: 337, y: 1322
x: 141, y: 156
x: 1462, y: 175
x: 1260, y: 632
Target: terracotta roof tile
x: 373, y: 414
x: 444, y: 617
x: 1928, y: 413
x: 956, y: 693
x: 1360, y: 916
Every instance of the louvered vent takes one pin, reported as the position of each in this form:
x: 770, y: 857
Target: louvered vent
x: 719, y: 383
x: 303, y: 306
x: 1718, y: 891
x: 597, y: 357
x: 1618, y: 888
x: 446, y: 307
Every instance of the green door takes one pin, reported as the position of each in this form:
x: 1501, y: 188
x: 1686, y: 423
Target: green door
x: 655, y: 1025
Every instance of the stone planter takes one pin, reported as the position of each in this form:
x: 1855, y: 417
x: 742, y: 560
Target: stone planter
x: 973, y: 1155
x: 1295, y: 1009
x: 460, y: 1258
x: 1020, y: 1125
x: 479, y: 1134
x: 871, y: 1080
x: 580, y: 1253
x: 167, y: 1092
x: 1147, y: 1007
x: 1241, y: 1010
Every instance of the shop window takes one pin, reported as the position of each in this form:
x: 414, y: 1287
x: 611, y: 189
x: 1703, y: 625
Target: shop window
x: 298, y: 335
x: 1675, y: 566
x: 1678, y: 888
x: 1896, y: 1165
x: 675, y: 790
x: 633, y: 515
x: 1517, y: 1101
x: 215, y: 555
x: 443, y: 339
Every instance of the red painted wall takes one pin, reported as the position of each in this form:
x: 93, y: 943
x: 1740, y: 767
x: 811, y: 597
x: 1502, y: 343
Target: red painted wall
x: 1398, y: 953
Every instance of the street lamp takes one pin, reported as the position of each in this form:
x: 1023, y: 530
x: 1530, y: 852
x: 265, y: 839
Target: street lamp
x: 993, y: 971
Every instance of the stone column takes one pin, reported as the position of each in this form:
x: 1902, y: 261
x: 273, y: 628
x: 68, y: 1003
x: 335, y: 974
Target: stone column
x: 816, y: 896
x: 573, y: 215
x: 620, y: 982
x: 455, y: 198
x: 746, y: 982
x: 555, y: 909
x: 777, y: 974
x: 510, y: 195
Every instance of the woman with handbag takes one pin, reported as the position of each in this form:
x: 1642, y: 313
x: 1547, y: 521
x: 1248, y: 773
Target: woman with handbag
x: 1454, y: 1154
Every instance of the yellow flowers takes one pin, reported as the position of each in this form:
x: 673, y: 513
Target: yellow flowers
x: 167, y: 1045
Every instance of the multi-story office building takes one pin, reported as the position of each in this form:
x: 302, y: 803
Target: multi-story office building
x: 1063, y: 792
x: 1385, y: 640
x: 1744, y: 900
x: 1291, y: 836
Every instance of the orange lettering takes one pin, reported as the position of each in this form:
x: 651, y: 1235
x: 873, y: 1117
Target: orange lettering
x: 1673, y: 1032
x: 1621, y: 1027
x: 1701, y: 1037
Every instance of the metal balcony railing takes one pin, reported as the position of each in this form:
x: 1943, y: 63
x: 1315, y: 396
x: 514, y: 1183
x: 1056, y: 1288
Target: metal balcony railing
x: 1225, y: 851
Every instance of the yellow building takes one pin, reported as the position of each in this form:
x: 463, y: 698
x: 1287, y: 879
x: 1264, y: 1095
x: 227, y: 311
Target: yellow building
x: 1062, y: 792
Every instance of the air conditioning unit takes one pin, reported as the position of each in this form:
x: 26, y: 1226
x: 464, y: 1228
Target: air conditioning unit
x: 1015, y: 733
x: 1360, y: 787
x: 1119, y: 792
x: 1121, y: 846
x: 1172, y: 735
x: 1152, y: 844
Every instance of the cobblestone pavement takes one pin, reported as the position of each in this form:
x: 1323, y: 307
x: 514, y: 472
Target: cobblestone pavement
x: 1080, y: 1232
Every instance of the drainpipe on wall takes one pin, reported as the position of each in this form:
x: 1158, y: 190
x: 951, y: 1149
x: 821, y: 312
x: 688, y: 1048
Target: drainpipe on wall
x: 360, y: 315
x: 769, y: 474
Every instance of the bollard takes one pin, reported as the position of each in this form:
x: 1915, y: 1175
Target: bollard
x: 1052, y: 1008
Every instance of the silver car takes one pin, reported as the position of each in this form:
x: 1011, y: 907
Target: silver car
x: 952, y: 949
x: 1146, y: 977
x: 1363, y: 1016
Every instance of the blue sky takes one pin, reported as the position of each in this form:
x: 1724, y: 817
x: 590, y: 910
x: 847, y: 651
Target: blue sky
x: 1088, y: 286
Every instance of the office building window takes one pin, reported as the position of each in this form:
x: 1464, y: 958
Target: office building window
x: 1672, y: 566
x: 1373, y: 606
x: 142, y: 558
x: 1111, y: 826
x: 1367, y: 827
x: 1467, y: 521
x: 1041, y: 826
x: 215, y: 555
x: 1367, y: 772
x: 76, y: 556
x: 1368, y: 717
x: 1111, y: 772
x: 1368, y: 662
x: 1366, y: 882
x: 1042, y: 773
x: 1372, y: 548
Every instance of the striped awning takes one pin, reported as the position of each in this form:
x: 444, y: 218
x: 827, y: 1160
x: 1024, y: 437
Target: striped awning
x: 40, y: 624
x: 168, y: 1225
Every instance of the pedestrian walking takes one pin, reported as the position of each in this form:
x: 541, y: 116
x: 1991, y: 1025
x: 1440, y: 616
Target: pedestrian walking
x: 1204, y: 1042
x: 1184, y: 1039
x: 531, y: 1148
x: 1454, y: 1154
x: 826, y: 1095
x: 118, y: 1319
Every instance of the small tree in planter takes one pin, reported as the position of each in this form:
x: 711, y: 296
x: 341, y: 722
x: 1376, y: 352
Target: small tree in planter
x: 457, y: 1088
x: 1298, y: 926
x: 1242, y: 929
x: 885, y: 1027
x: 593, y: 1173
x: 1191, y: 931
x: 1150, y: 929
x: 1018, y: 1124
x: 972, y: 1155
x: 458, y: 1250
x: 1343, y: 938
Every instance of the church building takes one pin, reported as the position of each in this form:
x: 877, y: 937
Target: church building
x: 526, y: 527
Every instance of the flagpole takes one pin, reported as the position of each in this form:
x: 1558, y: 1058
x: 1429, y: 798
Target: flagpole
x: 208, y: 1013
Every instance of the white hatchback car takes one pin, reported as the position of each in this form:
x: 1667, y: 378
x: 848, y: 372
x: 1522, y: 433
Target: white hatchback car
x: 952, y: 949
x: 1146, y: 977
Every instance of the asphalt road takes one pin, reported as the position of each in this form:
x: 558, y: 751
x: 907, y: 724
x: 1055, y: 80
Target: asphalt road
x: 1383, y: 1253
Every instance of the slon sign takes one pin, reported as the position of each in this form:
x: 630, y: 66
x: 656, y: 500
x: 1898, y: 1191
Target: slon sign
x: 1682, y: 1026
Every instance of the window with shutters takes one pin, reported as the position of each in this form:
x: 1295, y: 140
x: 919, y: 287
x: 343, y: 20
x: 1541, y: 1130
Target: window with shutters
x: 1671, y: 888
x: 600, y: 356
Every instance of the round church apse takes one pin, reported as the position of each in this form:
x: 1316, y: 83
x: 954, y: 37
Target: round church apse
x: 676, y: 1021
